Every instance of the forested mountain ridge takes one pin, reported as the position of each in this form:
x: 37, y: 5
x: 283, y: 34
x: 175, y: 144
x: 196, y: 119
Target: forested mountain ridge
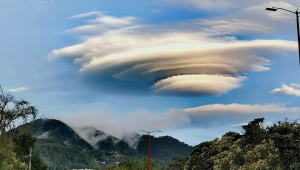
x: 164, y: 146
x: 62, y: 147
x: 55, y: 130
x: 100, y: 140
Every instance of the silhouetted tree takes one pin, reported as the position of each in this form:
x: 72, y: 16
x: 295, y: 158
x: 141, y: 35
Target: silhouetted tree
x: 12, y: 110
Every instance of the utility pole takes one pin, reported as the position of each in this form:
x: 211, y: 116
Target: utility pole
x: 297, y: 21
x: 29, y: 160
x: 149, y: 133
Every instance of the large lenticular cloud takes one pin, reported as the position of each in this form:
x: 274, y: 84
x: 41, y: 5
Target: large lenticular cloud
x: 173, y: 59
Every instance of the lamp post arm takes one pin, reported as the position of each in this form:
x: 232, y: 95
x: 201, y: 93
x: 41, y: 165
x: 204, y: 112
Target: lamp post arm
x: 287, y: 10
x: 144, y: 131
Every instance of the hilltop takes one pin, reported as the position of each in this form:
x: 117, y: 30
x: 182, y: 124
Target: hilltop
x: 87, y: 147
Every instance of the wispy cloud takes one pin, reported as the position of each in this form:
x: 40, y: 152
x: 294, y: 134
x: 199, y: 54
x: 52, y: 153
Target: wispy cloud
x: 101, y: 23
x: 121, y: 126
x: 199, y: 117
x: 292, y: 89
x: 239, y: 109
x: 225, y: 5
x: 243, y: 124
x: 156, y: 11
x: 16, y: 90
x: 202, y: 4
x: 94, y: 13
x: 222, y: 114
x: 239, y: 124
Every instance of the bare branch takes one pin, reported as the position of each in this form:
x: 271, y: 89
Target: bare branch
x: 21, y: 110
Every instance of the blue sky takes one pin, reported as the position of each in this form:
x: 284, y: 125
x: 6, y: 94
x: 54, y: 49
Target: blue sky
x: 191, y: 68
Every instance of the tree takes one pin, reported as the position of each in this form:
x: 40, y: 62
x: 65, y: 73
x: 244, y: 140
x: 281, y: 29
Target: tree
x: 201, y: 156
x: 37, y: 162
x: 21, y: 109
x: 8, y: 159
x: 177, y: 163
x: 23, y: 141
x: 263, y: 157
x: 11, y: 111
x: 140, y: 164
x: 254, y: 132
x: 286, y: 137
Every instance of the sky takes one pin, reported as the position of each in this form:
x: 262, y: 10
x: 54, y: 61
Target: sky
x: 194, y: 69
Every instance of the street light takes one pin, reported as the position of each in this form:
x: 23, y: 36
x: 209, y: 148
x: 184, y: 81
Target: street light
x: 149, y: 143
x: 297, y: 19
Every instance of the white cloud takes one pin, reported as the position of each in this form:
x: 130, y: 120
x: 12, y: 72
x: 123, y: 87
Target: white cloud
x: 160, y: 54
x: 91, y: 135
x: 239, y: 109
x: 120, y: 127
x: 207, y: 116
x: 234, y: 26
x: 101, y: 23
x: 243, y: 124
x: 45, y: 135
x: 16, y: 90
x: 94, y: 13
x: 198, y: 84
x: 216, y: 115
x: 217, y: 6
x: 156, y: 11
x: 293, y: 89
x: 202, y: 4
x: 240, y: 124
x: 278, y: 23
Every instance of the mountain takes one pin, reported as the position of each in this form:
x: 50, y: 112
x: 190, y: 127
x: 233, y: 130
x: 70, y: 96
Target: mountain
x: 163, y: 148
x: 63, y: 147
x: 55, y: 130
x: 132, y: 139
x: 103, y: 141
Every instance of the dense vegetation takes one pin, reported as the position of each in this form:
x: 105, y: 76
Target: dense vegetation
x: 16, y: 146
x: 258, y: 148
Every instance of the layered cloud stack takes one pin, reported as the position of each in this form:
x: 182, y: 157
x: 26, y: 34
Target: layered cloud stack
x: 198, y: 57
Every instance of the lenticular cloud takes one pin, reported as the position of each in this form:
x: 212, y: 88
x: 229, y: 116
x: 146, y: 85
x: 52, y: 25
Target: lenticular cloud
x: 173, y: 59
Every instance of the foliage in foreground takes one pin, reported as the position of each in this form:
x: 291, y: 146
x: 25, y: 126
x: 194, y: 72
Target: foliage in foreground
x: 258, y: 148
x: 141, y: 164
x: 8, y: 159
x: 15, y: 146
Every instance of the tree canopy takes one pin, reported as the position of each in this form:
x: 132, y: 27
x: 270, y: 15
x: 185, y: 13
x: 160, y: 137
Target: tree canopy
x: 12, y: 110
x: 273, y: 148
x: 15, y: 146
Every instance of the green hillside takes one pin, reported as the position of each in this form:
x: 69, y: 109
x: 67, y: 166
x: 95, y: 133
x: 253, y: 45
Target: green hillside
x: 164, y: 148
x: 62, y: 148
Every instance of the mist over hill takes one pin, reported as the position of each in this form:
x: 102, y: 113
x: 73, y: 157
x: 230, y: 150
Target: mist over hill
x: 88, y: 147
